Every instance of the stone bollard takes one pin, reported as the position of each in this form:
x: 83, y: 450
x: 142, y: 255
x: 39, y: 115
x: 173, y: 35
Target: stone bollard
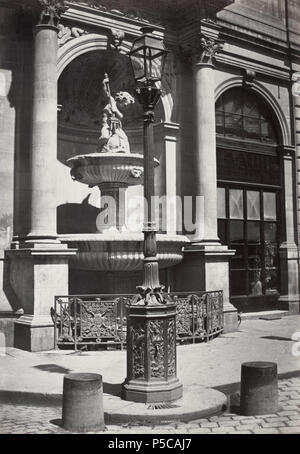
x: 82, y: 409
x: 259, y: 388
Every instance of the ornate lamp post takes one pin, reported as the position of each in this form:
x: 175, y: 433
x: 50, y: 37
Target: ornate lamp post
x: 151, y: 350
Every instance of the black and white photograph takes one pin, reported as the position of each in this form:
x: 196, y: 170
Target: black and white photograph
x: 149, y: 220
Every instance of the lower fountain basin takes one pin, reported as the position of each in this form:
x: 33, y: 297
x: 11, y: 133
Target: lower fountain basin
x: 121, y: 251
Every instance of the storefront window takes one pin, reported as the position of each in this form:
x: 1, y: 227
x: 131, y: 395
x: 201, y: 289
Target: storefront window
x: 253, y: 232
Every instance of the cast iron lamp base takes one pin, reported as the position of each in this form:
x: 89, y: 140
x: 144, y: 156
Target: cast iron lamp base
x: 151, y: 354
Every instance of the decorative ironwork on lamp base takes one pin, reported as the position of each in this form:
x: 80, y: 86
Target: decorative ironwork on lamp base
x: 151, y: 354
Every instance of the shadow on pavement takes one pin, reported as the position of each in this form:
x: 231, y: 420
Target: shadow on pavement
x: 54, y: 368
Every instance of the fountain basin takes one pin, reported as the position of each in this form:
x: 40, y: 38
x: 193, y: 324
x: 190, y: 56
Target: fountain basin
x: 121, y: 251
x: 96, y: 168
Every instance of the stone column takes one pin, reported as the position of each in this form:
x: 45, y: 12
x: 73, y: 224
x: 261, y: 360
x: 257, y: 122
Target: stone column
x: 288, y: 251
x: 44, y: 132
x: 39, y: 262
x: 205, y: 149
x: 206, y: 262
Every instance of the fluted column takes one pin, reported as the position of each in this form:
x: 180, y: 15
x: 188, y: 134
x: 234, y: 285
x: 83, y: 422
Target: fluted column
x: 44, y: 121
x: 205, y: 136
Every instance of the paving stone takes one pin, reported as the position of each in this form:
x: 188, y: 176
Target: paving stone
x: 221, y: 430
x: 248, y: 427
x: 241, y: 432
x: 293, y: 423
x: 288, y: 413
x: 273, y: 424
x: 252, y: 420
x: 290, y: 430
x: 209, y: 424
x: 277, y: 419
x: 229, y: 423
x: 266, y: 430
x: 200, y: 430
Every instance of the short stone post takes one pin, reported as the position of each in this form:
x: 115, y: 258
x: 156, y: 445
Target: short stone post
x: 259, y: 388
x: 82, y: 409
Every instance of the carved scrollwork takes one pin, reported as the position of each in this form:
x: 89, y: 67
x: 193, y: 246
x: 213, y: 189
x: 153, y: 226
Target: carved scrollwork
x: 171, y: 348
x: 138, y: 336
x: 156, y: 348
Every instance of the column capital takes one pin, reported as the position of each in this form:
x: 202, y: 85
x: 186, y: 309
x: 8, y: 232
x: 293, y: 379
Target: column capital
x: 43, y: 13
x: 51, y: 11
x: 202, y: 50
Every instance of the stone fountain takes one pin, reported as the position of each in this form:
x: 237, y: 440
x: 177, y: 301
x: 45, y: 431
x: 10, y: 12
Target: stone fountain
x: 113, y: 168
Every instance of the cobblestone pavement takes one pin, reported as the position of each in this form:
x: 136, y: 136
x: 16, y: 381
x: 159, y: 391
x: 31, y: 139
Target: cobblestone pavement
x: 18, y: 419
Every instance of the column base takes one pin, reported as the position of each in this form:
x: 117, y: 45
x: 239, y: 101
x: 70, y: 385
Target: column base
x: 205, y: 267
x: 34, y: 333
x: 289, y: 270
x: 289, y: 303
x: 36, y: 276
x: 151, y: 392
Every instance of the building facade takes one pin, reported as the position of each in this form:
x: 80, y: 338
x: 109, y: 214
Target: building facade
x: 227, y: 129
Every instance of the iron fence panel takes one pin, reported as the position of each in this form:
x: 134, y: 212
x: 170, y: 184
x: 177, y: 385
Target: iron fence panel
x: 101, y: 319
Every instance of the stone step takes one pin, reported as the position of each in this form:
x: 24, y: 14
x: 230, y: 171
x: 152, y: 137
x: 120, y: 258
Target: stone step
x: 265, y: 315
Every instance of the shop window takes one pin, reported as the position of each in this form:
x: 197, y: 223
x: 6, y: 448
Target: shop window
x: 251, y: 228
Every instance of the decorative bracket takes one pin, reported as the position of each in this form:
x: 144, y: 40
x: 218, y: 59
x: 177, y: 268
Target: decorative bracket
x: 248, y: 78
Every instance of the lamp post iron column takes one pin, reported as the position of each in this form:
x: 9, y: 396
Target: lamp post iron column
x: 151, y: 330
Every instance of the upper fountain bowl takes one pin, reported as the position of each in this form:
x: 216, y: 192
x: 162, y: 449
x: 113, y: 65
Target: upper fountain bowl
x: 97, y: 168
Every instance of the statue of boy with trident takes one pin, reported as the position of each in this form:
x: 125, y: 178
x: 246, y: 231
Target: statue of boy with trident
x: 113, y: 138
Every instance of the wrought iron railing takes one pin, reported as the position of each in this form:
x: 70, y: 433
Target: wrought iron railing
x: 101, y: 319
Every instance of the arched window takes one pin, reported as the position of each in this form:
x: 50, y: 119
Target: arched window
x: 241, y: 114
x: 248, y: 170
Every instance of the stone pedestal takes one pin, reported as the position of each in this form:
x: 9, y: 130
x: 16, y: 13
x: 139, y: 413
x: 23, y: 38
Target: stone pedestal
x: 151, y: 354
x: 37, y: 275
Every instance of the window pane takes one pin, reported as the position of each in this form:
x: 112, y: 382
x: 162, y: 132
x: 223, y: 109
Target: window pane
x: 269, y: 206
x: 233, y: 125
x: 238, y: 282
x: 222, y: 231
x: 220, y: 122
x: 254, y: 256
x: 270, y: 229
x: 221, y: 203
x: 271, y: 255
x: 253, y: 232
x: 233, y: 101
x: 255, y: 284
x: 251, y: 106
x: 271, y: 281
x: 267, y: 131
x: 252, y: 128
x: 236, y: 231
x: 238, y: 260
x: 236, y: 204
x: 253, y: 205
